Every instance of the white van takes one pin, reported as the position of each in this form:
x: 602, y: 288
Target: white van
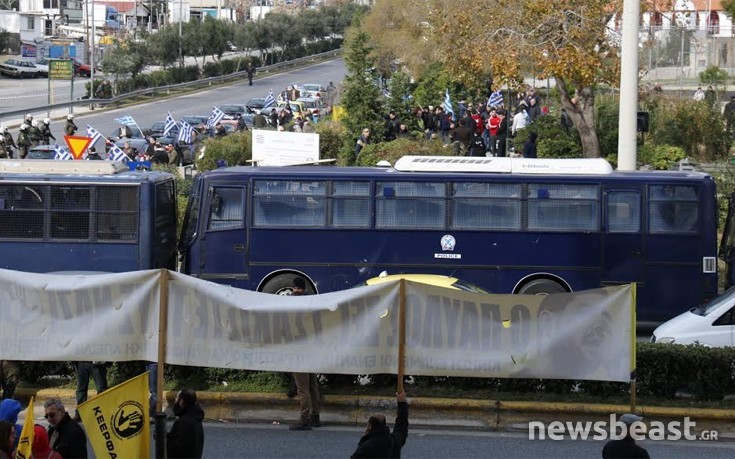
x: 712, y: 324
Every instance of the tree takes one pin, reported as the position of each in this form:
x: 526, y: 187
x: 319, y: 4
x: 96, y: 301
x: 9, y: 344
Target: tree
x: 215, y: 35
x: 164, y: 45
x: 360, y: 96
x: 564, y: 39
x: 400, y: 100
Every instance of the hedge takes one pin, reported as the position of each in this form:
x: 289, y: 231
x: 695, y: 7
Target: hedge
x: 706, y: 373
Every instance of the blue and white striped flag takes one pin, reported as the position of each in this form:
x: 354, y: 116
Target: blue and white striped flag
x: 93, y: 134
x: 116, y: 154
x: 186, y: 132
x: 61, y: 153
x: 215, y: 117
x: 126, y: 120
x: 447, y: 105
x: 495, y: 99
x: 170, y: 124
x: 269, y: 100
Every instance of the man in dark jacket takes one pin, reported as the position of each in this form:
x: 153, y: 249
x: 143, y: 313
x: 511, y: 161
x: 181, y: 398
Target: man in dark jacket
x: 625, y: 448
x: 186, y: 437
x: 378, y: 441
x: 65, y: 435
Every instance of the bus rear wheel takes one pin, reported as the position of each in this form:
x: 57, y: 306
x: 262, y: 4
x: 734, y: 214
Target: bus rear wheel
x: 541, y: 287
x: 283, y: 283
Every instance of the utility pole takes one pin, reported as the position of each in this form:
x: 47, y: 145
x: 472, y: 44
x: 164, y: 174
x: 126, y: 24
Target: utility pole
x: 627, y: 123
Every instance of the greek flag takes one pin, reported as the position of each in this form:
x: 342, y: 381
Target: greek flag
x: 93, y: 134
x: 61, y: 153
x: 269, y: 100
x: 215, y: 117
x: 185, y: 132
x: 447, y: 104
x: 495, y: 99
x: 170, y: 124
x: 116, y: 154
x: 126, y: 120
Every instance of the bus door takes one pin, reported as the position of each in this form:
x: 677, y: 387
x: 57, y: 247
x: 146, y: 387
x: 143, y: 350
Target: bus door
x: 727, y: 245
x: 224, y: 247
x: 622, y: 239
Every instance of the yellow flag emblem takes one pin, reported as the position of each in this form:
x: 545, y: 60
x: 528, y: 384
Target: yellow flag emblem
x: 25, y: 441
x: 117, y: 420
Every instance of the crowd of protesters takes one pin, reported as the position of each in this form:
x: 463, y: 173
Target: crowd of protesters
x: 470, y: 129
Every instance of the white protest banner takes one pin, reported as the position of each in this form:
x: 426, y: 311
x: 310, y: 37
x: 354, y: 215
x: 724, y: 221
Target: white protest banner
x: 109, y: 317
x: 583, y: 335
x: 351, y: 331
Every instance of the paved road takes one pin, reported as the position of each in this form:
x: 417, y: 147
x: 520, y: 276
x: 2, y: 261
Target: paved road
x: 276, y: 441
x: 199, y: 103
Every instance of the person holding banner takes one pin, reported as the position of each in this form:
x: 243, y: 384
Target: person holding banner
x: 186, y: 437
x: 98, y: 372
x: 307, y: 386
x: 65, y: 435
x: 378, y: 441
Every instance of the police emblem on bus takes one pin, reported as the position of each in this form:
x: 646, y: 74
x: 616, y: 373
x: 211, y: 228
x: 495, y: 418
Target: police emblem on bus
x: 448, y: 242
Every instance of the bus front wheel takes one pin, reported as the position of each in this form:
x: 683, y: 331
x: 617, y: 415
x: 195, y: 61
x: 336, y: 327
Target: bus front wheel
x: 283, y: 285
x: 541, y: 287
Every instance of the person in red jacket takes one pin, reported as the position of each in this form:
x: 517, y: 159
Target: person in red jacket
x: 493, y: 122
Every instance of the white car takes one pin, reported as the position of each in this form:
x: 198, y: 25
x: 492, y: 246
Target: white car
x: 42, y: 66
x: 311, y: 90
x: 712, y: 324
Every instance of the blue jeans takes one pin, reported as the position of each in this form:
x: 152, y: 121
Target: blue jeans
x: 86, y: 369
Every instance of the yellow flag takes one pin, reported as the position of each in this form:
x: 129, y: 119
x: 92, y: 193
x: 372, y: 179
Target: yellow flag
x: 117, y: 421
x: 25, y: 441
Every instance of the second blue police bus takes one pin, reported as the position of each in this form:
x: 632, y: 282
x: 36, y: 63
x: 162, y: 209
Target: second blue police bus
x: 507, y: 225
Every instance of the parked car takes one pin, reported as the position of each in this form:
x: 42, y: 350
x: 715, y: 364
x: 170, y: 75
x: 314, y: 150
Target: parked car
x: 156, y: 130
x: 312, y: 104
x: 42, y: 66
x: 711, y: 324
x: 123, y: 134
x: 198, y: 122
x: 19, y: 69
x: 42, y: 152
x: 231, y: 110
x: 311, y: 90
x: 255, y: 104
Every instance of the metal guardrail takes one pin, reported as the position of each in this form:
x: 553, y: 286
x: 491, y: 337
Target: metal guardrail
x: 274, y: 68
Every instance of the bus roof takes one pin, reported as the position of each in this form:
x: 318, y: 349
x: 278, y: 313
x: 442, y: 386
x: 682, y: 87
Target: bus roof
x: 52, y: 166
x: 92, y: 171
x: 577, y: 166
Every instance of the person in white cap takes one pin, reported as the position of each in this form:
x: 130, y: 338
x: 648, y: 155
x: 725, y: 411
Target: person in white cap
x: 24, y: 142
x: 70, y: 128
x: 34, y: 134
x: 9, y: 142
x: 45, y: 130
x: 626, y: 448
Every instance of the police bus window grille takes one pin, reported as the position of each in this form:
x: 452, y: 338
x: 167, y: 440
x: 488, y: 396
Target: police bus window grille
x: 70, y: 212
x: 290, y: 204
x: 116, y: 209
x: 350, y: 204
x: 490, y: 206
x: 563, y: 207
x: 226, y: 209
x: 673, y: 209
x: 410, y: 205
x: 22, y: 212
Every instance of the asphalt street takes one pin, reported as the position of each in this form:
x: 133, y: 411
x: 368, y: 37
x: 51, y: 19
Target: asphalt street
x: 146, y: 114
x: 276, y: 441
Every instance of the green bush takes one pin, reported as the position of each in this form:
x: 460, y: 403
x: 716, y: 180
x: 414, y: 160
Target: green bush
x: 659, y: 157
x: 330, y: 138
x: 662, y: 371
x: 392, y: 151
x: 184, y: 74
x: 553, y: 140
x: 160, y: 78
x: 211, y: 69
x: 233, y: 148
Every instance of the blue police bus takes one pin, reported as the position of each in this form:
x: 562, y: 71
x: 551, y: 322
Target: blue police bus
x: 94, y: 216
x: 509, y: 225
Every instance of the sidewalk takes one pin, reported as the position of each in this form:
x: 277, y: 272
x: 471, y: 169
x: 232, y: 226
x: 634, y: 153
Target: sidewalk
x: 239, y: 407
